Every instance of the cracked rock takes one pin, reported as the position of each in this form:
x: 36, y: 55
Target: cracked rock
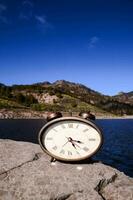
x: 26, y: 173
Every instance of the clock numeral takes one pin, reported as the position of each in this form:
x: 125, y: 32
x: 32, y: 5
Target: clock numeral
x: 70, y: 125
x: 55, y: 148
x: 69, y: 153
x: 92, y: 139
x: 62, y: 151
x: 77, y: 126
x: 49, y: 138
x: 85, y: 149
x: 85, y: 130
x: 63, y: 126
x: 77, y: 152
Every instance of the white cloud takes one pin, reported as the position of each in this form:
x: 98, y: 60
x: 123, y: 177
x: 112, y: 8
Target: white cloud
x: 26, y: 12
x: 27, y: 3
x: 93, y: 41
x: 25, y: 15
x: 41, y: 19
x: 42, y: 24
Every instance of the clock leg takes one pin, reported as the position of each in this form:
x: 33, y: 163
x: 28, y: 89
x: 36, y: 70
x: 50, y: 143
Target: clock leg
x: 53, y: 159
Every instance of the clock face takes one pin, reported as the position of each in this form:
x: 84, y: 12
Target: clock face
x: 70, y: 138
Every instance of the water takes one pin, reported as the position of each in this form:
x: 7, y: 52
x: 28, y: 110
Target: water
x: 117, y: 149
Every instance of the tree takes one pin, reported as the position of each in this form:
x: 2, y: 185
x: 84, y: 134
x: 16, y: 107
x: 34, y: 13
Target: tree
x: 20, y: 98
x: 30, y: 99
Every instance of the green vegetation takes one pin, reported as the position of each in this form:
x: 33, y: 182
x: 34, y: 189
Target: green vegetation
x: 47, y: 107
x: 8, y: 104
x: 12, y: 95
x: 26, y: 100
x: 69, y: 97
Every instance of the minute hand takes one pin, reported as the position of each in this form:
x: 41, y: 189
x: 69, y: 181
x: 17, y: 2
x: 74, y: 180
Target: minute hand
x: 73, y: 145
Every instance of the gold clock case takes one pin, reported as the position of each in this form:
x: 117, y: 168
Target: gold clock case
x: 88, y: 122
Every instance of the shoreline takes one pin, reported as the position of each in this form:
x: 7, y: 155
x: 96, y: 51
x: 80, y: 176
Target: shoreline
x: 117, y: 117
x: 29, y: 114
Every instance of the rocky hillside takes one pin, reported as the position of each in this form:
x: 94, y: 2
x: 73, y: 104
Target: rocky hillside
x: 62, y: 96
x: 125, y: 97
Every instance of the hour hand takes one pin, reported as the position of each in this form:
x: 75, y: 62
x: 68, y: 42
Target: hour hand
x: 78, y: 141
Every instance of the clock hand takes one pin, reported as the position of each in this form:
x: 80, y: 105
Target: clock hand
x: 78, y: 141
x: 77, y: 145
x: 71, y: 140
x: 73, y: 145
x: 65, y: 144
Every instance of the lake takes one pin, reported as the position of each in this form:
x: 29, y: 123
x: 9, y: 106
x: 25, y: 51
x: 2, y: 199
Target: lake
x: 117, y: 149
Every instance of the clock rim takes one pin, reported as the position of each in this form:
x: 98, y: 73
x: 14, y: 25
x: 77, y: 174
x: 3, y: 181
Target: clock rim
x: 54, y: 121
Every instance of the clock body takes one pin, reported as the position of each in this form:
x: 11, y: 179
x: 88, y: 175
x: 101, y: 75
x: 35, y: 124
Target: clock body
x: 70, y: 138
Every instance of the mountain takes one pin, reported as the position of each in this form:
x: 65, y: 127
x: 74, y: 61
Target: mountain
x: 63, y: 96
x: 125, y: 97
x: 2, y: 85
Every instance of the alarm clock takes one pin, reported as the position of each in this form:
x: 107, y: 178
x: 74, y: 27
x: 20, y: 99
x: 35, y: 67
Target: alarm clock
x: 71, y: 138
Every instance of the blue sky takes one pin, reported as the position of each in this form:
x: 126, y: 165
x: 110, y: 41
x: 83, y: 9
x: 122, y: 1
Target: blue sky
x: 83, y: 41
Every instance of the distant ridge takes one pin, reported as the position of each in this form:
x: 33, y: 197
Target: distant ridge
x: 1, y: 84
x: 63, y: 95
x: 125, y: 97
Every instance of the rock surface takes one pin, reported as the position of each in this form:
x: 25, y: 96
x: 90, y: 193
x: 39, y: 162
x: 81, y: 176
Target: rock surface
x: 30, y: 114
x: 26, y: 173
x: 21, y: 114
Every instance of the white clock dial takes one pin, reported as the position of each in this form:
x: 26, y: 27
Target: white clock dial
x: 71, y: 139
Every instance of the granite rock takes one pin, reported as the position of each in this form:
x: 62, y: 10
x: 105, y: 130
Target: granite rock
x: 26, y: 173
